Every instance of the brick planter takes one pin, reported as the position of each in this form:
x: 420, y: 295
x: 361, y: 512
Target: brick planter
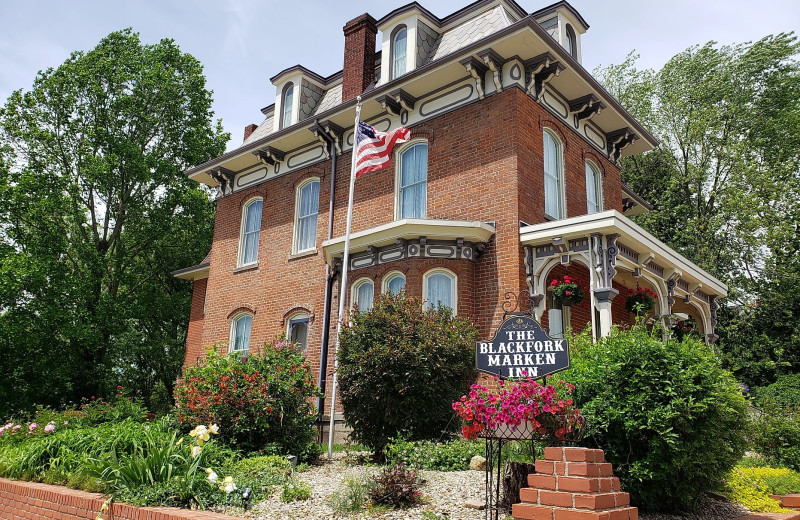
x: 573, y: 484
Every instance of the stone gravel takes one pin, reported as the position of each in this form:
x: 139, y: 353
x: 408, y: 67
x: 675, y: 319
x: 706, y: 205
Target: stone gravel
x: 707, y: 509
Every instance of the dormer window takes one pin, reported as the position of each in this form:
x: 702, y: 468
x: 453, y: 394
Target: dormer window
x: 570, y: 42
x: 286, y: 104
x: 399, y: 52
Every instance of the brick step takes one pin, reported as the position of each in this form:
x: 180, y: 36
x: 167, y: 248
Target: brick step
x: 594, y: 501
x: 538, y: 512
x: 574, y: 484
x: 791, y: 501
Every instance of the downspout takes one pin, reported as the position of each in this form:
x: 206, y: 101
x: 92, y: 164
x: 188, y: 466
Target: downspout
x: 330, y: 277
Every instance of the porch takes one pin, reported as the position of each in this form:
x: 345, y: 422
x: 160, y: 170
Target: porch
x: 612, y: 255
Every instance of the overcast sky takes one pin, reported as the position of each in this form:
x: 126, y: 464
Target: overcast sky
x: 242, y: 43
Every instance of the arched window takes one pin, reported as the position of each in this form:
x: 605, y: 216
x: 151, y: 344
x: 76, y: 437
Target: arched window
x: 297, y: 329
x: 362, y: 294
x: 399, y: 52
x: 240, y: 333
x: 594, y: 200
x: 439, y: 289
x: 394, y: 282
x: 553, y: 176
x: 412, y: 184
x: 251, y: 228
x: 557, y: 315
x: 286, y: 104
x: 571, y: 43
x: 306, y: 209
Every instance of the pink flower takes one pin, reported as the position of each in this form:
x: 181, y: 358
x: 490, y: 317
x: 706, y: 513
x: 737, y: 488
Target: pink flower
x: 50, y: 427
x: 32, y: 426
x: 15, y: 428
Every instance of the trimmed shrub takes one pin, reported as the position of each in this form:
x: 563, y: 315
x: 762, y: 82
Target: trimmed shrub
x: 776, y: 435
x: 401, y: 368
x: 261, y: 403
x: 453, y: 455
x: 668, y: 416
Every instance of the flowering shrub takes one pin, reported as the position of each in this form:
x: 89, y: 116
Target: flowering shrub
x: 453, y: 455
x: 396, y: 486
x: 568, y: 290
x: 263, y: 400
x: 545, y: 410
x: 640, y: 300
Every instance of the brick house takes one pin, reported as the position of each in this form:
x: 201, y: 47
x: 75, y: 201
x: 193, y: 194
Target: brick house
x: 511, y: 178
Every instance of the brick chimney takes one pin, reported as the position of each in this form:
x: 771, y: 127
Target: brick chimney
x: 359, y: 56
x: 249, y: 129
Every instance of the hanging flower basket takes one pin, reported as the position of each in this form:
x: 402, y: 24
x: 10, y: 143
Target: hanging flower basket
x: 567, y: 291
x: 640, y: 301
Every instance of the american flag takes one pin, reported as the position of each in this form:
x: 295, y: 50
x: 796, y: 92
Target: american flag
x: 373, y: 148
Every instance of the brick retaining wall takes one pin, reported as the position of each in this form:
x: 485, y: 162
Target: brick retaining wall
x: 32, y: 501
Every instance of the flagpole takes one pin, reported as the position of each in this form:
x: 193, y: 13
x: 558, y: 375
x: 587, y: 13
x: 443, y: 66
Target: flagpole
x: 343, y: 287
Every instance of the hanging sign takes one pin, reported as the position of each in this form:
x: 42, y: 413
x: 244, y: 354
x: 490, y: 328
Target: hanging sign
x: 520, y: 348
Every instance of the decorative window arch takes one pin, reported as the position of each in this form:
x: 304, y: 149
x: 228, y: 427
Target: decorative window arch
x: 240, y: 333
x: 411, y: 180
x: 297, y: 326
x: 287, y: 100
x: 306, y: 210
x: 571, y: 42
x: 594, y: 188
x: 553, y: 151
x: 394, y: 282
x: 399, y: 51
x: 362, y: 293
x: 250, y: 231
x: 440, y: 289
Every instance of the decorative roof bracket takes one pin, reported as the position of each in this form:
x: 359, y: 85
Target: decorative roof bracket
x: 495, y: 63
x: 478, y: 71
x: 618, y: 140
x: 269, y: 155
x: 327, y: 133
x: 388, y: 103
x: 540, y: 70
x: 404, y: 99
x: 585, y: 107
x: 224, y: 177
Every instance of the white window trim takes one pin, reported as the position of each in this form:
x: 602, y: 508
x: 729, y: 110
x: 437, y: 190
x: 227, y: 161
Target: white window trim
x: 562, y: 196
x: 354, y: 291
x: 439, y: 270
x: 599, y: 173
x: 243, y: 225
x: 395, y: 33
x: 295, y: 235
x: 294, y: 316
x: 398, y: 176
x: 232, y: 339
x: 286, y: 88
x: 388, y: 277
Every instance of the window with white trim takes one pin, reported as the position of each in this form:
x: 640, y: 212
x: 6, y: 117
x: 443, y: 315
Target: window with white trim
x: 240, y: 333
x: 412, y: 181
x: 362, y: 294
x: 399, y: 52
x: 594, y: 198
x: 571, y: 43
x: 250, y: 230
x: 306, y: 210
x: 439, y: 289
x: 553, y: 176
x: 297, y: 329
x: 394, y: 282
x: 286, y: 105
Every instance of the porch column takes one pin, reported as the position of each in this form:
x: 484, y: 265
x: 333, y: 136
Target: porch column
x: 603, y: 298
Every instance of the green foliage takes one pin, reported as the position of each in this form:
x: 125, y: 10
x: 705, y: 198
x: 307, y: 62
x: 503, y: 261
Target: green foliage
x: 784, y: 392
x: 294, y: 489
x: 749, y: 487
x: 353, y: 497
x: 783, y: 483
x: 400, y: 368
x: 668, y: 416
x: 397, y: 486
x: 453, y: 455
x: 260, y: 468
x: 776, y: 435
x: 161, y: 401
x: 94, y: 215
x: 262, y: 402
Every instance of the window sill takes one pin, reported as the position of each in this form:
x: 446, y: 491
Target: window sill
x: 245, y: 268
x: 548, y: 218
x: 303, y: 254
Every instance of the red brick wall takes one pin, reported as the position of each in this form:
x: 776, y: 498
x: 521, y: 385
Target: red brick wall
x: 32, y: 501
x: 359, y: 56
x: 194, y: 336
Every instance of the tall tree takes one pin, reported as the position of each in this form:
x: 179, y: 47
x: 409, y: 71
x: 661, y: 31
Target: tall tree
x: 94, y: 214
x: 725, y: 182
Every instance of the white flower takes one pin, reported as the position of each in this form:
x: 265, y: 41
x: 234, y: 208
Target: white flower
x: 212, y: 477
x: 214, y: 429
x: 201, y: 432
x: 196, y: 451
x: 229, y: 486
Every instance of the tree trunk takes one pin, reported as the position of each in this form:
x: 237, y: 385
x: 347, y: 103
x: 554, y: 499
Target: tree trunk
x: 515, y: 477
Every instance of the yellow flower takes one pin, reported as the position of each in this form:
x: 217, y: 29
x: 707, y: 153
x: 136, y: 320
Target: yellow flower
x: 213, y: 428
x: 180, y: 441
x: 196, y: 451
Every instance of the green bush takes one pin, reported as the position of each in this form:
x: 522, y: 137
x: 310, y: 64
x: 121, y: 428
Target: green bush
x: 668, y: 416
x: 262, y: 402
x: 354, y: 496
x: 751, y: 487
x: 401, y: 368
x: 161, y: 402
x: 776, y: 435
x: 294, y: 489
x: 453, y: 455
x: 785, y: 392
x: 396, y: 486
